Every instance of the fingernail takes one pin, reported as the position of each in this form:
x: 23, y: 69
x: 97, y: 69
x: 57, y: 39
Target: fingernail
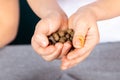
x: 79, y: 41
x: 40, y: 39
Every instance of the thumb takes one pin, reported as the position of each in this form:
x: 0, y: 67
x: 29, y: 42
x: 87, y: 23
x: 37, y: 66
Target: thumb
x: 44, y: 28
x: 40, y: 34
x: 41, y: 39
x: 79, y: 36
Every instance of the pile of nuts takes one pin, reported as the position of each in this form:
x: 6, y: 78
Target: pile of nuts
x: 64, y: 36
x: 61, y: 36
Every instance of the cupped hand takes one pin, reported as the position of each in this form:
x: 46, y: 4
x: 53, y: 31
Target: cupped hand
x: 45, y: 27
x: 86, y: 36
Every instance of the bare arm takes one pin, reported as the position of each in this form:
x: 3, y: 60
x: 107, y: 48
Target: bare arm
x: 105, y: 9
x: 9, y: 16
x: 44, y: 7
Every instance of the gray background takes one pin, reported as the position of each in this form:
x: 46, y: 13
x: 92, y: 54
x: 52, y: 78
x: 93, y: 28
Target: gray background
x: 20, y: 62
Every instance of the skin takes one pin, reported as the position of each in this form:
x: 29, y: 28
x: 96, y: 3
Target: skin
x: 8, y: 21
x: 53, y: 19
x: 83, y: 22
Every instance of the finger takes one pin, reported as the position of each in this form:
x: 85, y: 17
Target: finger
x: 41, y: 39
x: 48, y: 25
x: 40, y: 34
x: 77, y: 52
x: 77, y: 60
x: 55, y: 54
x: 42, y: 51
x: 66, y: 64
x: 81, y: 30
x: 43, y: 26
x: 66, y: 47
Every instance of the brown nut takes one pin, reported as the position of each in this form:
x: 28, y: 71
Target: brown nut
x: 69, y: 31
x: 51, y: 40
x: 61, y: 33
x: 67, y: 36
x: 55, y: 36
x: 62, y: 39
x: 72, y: 34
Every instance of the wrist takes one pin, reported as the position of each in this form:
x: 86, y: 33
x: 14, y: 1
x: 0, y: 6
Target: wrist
x: 87, y: 12
x: 97, y: 11
x: 57, y: 13
x: 101, y: 11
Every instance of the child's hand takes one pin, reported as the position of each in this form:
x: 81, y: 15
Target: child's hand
x: 45, y: 27
x: 83, y: 22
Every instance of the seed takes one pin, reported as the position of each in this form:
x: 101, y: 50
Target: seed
x: 67, y: 36
x: 62, y: 39
x: 71, y: 39
x: 72, y: 33
x: 61, y: 33
x: 55, y: 36
x: 69, y: 31
x: 52, y: 40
